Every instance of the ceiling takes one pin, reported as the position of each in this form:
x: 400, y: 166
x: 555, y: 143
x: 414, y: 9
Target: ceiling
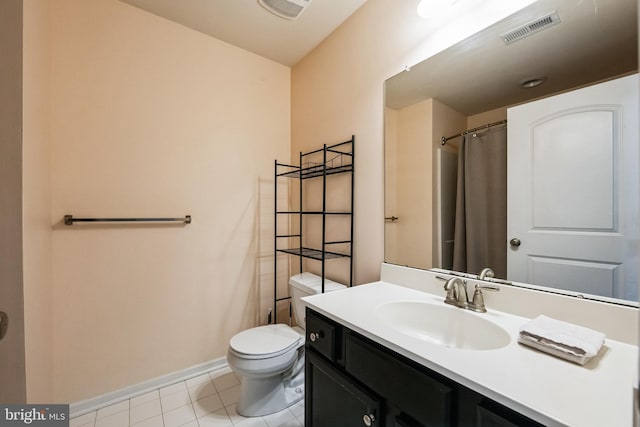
x: 247, y: 25
x: 595, y: 40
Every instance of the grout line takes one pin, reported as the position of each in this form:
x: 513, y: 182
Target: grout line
x: 161, y: 410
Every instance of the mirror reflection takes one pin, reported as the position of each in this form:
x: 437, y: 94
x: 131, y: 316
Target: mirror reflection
x: 517, y: 149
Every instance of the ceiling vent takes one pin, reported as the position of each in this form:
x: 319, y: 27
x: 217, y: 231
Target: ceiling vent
x: 530, y: 28
x: 288, y: 9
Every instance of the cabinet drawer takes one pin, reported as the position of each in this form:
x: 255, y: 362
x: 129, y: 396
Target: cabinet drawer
x: 323, y: 335
x: 421, y: 396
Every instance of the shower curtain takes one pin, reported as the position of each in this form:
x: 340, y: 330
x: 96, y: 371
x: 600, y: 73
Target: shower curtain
x: 481, y: 204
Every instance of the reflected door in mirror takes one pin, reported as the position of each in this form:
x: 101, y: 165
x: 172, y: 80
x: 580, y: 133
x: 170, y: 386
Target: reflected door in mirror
x: 581, y: 154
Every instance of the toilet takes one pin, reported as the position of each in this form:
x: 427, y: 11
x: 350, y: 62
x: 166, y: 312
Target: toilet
x: 269, y: 360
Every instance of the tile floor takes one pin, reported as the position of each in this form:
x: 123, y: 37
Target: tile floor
x: 208, y: 400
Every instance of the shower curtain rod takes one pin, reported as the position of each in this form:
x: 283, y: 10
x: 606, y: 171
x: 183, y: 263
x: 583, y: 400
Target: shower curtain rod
x: 444, y: 140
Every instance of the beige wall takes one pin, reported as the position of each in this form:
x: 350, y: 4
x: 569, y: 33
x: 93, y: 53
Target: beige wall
x: 414, y: 180
x: 412, y: 138
x: 36, y: 200
x: 337, y: 90
x: 391, y: 184
x: 447, y: 122
x: 149, y: 119
x: 490, y: 116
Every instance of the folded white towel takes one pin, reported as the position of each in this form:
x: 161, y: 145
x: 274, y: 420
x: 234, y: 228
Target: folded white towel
x: 571, y: 342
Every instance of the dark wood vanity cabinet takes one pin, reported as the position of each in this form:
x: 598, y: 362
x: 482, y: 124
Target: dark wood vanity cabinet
x: 352, y: 381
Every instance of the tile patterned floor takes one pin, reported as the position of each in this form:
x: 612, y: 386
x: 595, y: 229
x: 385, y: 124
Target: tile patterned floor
x: 208, y: 400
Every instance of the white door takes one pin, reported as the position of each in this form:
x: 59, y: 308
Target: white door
x: 572, y: 195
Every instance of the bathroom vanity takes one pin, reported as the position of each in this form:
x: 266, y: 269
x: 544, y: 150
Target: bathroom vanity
x: 351, y: 379
x: 370, y: 361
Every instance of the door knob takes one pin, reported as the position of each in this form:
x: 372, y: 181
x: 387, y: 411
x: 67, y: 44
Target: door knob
x: 515, y: 242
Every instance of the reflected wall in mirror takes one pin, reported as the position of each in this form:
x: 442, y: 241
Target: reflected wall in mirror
x: 565, y: 164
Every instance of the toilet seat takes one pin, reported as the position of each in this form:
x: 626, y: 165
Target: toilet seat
x: 265, y: 342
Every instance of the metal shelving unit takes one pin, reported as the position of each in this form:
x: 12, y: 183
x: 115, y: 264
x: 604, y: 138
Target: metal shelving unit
x: 335, y: 159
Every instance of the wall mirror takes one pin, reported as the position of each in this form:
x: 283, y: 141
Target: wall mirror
x: 548, y: 52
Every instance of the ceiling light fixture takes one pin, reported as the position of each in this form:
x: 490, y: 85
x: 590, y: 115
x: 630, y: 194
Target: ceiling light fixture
x: 530, y: 83
x: 288, y: 9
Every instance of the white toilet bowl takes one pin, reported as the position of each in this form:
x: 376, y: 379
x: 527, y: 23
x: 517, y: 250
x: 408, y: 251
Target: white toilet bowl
x: 269, y: 360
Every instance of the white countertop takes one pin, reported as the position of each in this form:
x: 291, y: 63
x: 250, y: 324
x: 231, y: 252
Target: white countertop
x: 549, y: 390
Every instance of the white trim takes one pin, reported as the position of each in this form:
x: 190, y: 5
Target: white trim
x: 85, y: 406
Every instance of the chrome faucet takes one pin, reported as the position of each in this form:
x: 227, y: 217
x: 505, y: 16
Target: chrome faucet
x: 457, y: 295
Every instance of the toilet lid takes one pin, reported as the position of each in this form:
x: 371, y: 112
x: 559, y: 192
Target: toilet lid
x: 265, y: 340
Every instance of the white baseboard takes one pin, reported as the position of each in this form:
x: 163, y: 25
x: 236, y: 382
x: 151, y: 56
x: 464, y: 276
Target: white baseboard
x: 85, y: 406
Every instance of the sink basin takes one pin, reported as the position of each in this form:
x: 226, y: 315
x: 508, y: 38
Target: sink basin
x: 444, y: 325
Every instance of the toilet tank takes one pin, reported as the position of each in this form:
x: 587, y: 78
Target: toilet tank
x: 305, y: 284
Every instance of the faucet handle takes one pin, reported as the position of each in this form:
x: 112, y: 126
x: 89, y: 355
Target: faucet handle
x: 452, y: 295
x: 452, y: 292
x: 477, y: 303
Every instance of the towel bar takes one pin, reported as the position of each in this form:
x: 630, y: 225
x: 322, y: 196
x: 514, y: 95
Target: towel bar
x: 69, y: 219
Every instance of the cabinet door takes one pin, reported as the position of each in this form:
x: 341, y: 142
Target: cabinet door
x: 420, y: 395
x: 333, y: 400
x: 406, y: 421
x: 488, y: 415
